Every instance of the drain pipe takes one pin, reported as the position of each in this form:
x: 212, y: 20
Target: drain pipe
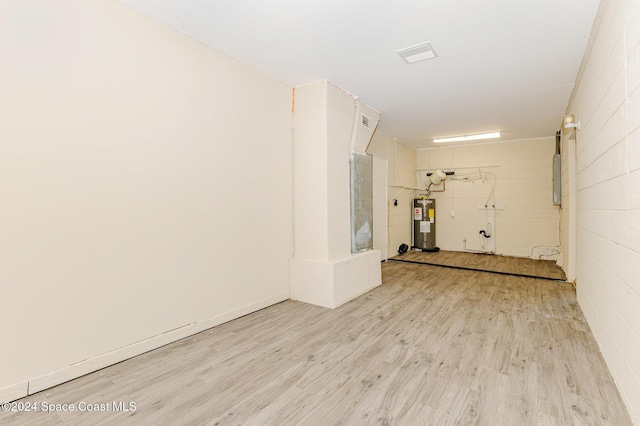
x: 464, y: 248
x: 483, y: 234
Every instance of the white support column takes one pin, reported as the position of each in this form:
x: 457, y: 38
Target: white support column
x: 323, y: 271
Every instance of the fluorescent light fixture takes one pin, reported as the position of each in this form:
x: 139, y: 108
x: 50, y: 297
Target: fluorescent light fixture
x: 417, y: 53
x: 478, y: 137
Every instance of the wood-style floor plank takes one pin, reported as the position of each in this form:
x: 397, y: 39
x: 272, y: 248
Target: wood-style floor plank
x: 487, y: 262
x: 431, y: 346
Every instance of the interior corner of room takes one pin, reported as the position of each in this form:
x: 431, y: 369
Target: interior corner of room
x: 162, y: 173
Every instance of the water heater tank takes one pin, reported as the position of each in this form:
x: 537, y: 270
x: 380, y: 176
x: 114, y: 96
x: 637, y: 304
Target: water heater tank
x: 424, y: 224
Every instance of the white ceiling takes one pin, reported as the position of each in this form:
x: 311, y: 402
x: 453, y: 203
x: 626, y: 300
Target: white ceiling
x: 503, y: 65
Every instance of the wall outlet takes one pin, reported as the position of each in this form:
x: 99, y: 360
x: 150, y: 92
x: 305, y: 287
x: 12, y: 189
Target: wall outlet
x: 453, y: 213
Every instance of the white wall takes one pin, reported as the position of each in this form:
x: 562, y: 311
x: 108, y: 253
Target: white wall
x: 607, y: 103
x: 529, y: 224
x: 145, y: 182
x: 402, y: 165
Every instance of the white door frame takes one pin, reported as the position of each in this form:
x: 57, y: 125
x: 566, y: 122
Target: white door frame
x: 380, y: 203
x: 573, y: 207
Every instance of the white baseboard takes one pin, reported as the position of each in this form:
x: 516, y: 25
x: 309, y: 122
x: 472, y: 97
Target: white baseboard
x: 54, y: 378
x: 13, y: 392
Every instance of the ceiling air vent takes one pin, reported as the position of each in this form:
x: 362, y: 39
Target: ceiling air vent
x: 364, y: 120
x: 417, y: 53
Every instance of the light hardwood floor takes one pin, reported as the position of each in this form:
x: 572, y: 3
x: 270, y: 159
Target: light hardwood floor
x: 431, y: 346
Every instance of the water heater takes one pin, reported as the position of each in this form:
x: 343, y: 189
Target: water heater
x: 424, y: 224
